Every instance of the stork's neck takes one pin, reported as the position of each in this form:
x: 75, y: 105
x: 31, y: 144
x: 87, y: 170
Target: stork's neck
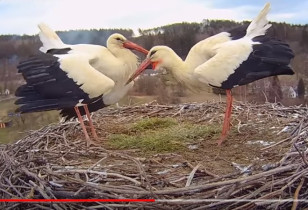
x: 128, y: 59
x: 125, y: 55
x: 180, y: 70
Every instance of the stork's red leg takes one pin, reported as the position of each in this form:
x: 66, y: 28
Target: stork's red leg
x: 90, y: 122
x: 89, y: 142
x: 230, y: 101
x: 227, y: 119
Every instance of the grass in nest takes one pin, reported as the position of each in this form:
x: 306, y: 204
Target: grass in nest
x: 162, y: 135
x: 152, y: 124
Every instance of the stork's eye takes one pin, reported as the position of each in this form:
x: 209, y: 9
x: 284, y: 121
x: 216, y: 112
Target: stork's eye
x: 119, y: 39
x: 153, y: 52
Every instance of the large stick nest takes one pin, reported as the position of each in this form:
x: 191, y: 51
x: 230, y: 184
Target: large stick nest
x: 54, y: 163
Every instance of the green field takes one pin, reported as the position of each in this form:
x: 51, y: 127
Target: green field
x: 21, y: 125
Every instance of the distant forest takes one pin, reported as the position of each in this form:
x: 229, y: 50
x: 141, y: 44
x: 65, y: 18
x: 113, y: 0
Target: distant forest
x: 179, y: 36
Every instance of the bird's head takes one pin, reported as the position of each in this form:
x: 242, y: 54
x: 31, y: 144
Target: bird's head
x: 119, y: 41
x: 158, y: 56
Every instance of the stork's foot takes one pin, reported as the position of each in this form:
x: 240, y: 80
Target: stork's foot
x: 93, y: 132
x: 90, y: 142
x: 224, y: 134
x: 222, y: 138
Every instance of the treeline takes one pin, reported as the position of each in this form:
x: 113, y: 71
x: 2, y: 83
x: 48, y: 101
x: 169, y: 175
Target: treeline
x: 179, y: 36
x: 24, y: 46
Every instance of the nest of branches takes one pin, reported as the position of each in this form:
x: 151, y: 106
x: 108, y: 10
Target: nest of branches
x: 54, y: 163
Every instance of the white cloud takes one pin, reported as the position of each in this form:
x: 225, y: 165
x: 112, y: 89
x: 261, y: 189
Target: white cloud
x: 22, y: 16
x: 282, y: 16
x: 132, y: 14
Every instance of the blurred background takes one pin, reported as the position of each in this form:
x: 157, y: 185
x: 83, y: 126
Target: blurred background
x: 180, y: 36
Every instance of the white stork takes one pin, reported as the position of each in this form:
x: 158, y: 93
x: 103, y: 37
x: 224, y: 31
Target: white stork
x: 226, y: 60
x: 65, y: 76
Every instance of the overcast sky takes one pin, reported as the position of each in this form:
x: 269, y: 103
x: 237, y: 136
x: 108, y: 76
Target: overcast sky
x: 22, y: 16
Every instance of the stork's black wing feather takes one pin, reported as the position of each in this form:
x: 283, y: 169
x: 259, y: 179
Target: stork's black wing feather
x: 47, y: 86
x: 269, y: 58
x: 238, y: 32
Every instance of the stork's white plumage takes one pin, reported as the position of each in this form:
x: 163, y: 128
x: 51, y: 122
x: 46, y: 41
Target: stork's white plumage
x: 67, y: 76
x: 226, y: 60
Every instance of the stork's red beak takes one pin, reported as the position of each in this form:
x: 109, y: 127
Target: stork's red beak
x: 133, y: 46
x: 140, y: 69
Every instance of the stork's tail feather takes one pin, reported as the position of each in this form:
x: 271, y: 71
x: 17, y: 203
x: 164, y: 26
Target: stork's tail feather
x: 49, y: 38
x: 260, y: 24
